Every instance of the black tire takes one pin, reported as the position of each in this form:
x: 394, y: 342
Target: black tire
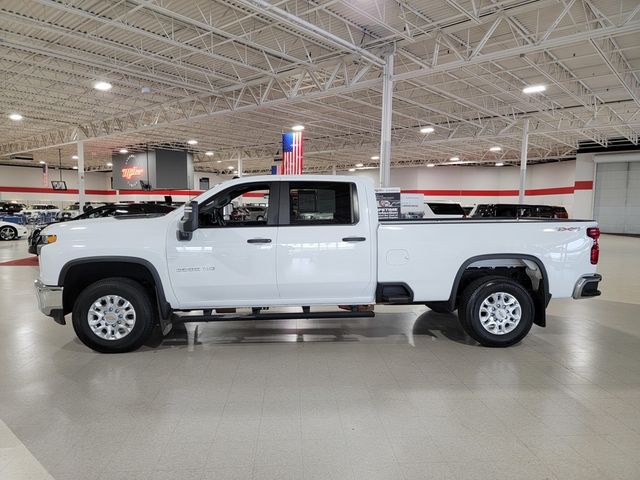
x: 469, y: 310
x: 439, y: 307
x: 8, y: 232
x: 140, y: 301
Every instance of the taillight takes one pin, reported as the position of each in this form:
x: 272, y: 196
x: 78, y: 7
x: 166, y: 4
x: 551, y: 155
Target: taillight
x: 594, y: 232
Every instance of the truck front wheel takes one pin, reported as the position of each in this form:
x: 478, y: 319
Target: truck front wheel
x: 113, y: 315
x: 496, y: 311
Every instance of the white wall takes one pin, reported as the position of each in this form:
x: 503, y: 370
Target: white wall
x: 466, y: 185
x: 31, y: 177
x: 550, y: 183
x: 98, y: 182
x: 585, y: 172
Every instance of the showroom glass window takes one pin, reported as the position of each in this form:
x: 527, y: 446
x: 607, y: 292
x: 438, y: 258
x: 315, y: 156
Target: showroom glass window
x: 241, y: 206
x: 322, y: 203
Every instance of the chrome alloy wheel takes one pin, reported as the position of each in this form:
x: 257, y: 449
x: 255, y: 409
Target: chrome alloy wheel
x: 500, y: 313
x: 111, y: 317
x: 7, y: 233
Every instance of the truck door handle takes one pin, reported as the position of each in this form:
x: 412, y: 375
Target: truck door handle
x: 353, y: 239
x: 259, y: 240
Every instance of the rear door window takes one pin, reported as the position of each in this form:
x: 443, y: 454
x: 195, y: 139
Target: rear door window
x: 322, y: 203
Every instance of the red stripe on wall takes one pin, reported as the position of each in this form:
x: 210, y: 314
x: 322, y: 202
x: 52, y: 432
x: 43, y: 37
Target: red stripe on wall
x: 532, y: 192
x: 549, y: 191
x: 74, y: 191
x: 579, y: 185
x: 465, y: 193
x: 584, y: 185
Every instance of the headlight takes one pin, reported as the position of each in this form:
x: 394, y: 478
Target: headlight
x: 47, y: 239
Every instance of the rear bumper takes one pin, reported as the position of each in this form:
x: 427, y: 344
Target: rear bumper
x: 587, y: 286
x: 50, y: 301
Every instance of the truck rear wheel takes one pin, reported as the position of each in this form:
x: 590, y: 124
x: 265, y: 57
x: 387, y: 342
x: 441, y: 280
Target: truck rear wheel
x: 113, y: 315
x: 496, y: 311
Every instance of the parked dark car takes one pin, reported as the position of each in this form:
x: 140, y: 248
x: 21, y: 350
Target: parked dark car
x: 560, y: 212
x: 11, y: 208
x: 117, y: 210
x: 514, y: 210
x: 467, y: 210
x: 443, y: 210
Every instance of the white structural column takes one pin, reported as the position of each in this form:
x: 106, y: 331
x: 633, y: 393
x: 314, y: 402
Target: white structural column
x: 81, y: 194
x: 385, y: 131
x: 239, y: 167
x: 523, y: 160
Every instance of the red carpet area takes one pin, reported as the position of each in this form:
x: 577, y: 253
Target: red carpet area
x: 21, y: 262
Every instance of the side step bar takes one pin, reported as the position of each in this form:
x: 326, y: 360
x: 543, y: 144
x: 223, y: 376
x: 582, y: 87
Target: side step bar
x: 184, y: 318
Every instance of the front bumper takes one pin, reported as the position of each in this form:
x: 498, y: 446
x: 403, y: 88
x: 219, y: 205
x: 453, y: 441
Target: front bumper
x: 587, y: 286
x: 50, y: 301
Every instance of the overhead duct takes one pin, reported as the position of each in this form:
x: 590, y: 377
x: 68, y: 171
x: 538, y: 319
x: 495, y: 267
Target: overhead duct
x: 22, y: 157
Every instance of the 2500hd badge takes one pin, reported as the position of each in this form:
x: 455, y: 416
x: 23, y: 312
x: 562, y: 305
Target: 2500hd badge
x: 207, y: 268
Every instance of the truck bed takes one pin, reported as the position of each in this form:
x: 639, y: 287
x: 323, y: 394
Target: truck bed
x: 427, y: 255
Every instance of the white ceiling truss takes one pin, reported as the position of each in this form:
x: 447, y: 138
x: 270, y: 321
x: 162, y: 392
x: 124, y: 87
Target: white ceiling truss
x: 235, y: 74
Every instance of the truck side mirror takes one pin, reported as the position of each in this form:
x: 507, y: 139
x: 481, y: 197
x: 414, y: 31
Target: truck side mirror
x: 189, y: 222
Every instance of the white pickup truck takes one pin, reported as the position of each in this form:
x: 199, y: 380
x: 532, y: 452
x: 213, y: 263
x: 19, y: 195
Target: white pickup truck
x: 319, y: 244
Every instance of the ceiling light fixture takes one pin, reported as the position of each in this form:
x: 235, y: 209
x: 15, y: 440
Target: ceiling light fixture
x: 124, y: 150
x: 495, y: 149
x: 16, y: 117
x: 192, y: 142
x: 499, y: 164
x: 231, y: 167
x: 102, y: 86
x: 219, y: 161
x: 74, y: 167
x: 297, y: 128
x: 375, y: 157
x: 430, y: 165
x: 352, y: 169
x: 209, y: 153
x: 534, y: 89
x: 74, y: 157
x: 454, y: 159
x: 42, y: 162
x: 427, y: 130
x: 109, y: 164
x: 358, y: 165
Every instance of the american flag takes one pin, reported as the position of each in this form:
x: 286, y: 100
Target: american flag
x: 292, y: 150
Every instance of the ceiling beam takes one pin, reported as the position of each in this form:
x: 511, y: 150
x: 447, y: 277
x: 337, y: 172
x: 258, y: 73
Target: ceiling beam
x: 280, y: 15
x: 561, y: 41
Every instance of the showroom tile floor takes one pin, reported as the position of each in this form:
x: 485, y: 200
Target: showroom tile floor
x: 403, y: 395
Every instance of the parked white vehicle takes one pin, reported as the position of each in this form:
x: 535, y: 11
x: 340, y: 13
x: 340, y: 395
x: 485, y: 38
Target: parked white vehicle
x: 41, y: 209
x: 321, y: 244
x: 12, y: 231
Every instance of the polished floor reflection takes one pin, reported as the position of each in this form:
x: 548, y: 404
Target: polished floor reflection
x: 405, y: 395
